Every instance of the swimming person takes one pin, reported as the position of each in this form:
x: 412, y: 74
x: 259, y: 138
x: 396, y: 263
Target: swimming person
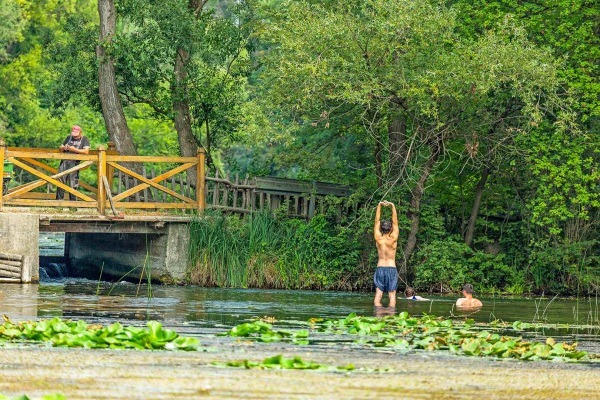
x: 468, y: 301
x: 386, y: 240
x: 410, y: 294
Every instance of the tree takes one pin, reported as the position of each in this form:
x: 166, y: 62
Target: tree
x: 398, y: 69
x: 112, y: 109
x: 189, y: 64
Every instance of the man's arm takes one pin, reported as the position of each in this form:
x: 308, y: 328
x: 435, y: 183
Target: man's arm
x: 376, y: 230
x: 395, y: 230
x: 63, y: 146
x: 74, y: 149
x: 85, y: 147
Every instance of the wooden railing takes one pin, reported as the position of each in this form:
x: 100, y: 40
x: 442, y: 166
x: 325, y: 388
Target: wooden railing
x: 292, y: 197
x: 118, y: 181
x: 162, y: 183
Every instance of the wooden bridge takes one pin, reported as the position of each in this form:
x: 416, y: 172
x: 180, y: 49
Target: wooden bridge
x: 113, y: 184
x: 130, y: 212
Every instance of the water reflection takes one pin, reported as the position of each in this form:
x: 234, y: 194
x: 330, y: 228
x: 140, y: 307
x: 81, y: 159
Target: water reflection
x: 199, y: 308
x: 384, y: 311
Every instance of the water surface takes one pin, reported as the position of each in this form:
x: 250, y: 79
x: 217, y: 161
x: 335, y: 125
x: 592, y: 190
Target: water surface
x: 105, y: 302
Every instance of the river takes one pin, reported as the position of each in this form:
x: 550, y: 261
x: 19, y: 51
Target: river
x: 206, y: 312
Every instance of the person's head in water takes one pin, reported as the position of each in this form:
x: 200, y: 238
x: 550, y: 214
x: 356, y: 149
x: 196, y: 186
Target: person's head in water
x: 409, y: 292
x: 385, y: 226
x: 468, y: 288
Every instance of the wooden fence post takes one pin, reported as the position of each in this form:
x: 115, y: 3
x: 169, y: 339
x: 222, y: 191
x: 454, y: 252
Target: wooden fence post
x: 101, y: 176
x: 313, y: 200
x: 200, y: 179
x: 110, y: 170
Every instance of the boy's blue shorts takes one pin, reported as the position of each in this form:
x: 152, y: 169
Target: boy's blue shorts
x: 386, y: 279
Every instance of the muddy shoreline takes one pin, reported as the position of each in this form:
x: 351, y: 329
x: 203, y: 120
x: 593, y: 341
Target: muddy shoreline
x: 128, y: 374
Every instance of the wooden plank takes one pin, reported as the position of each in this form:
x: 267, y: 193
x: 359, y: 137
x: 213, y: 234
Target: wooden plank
x: 236, y: 190
x: 52, y: 156
x: 145, y: 173
x: 182, y: 188
x: 18, y: 191
x: 152, y: 159
x: 51, y: 180
x: 34, y: 149
x: 154, y: 191
x: 153, y: 182
x: 50, y: 203
x: 200, y: 181
x: 216, y: 191
x: 296, y: 186
x: 288, y: 186
x: 10, y: 256
x: 10, y: 280
x: 173, y: 184
x: 103, y: 187
x: 106, y: 226
x: 38, y: 195
x: 9, y: 274
x: 219, y: 180
x: 119, y: 181
x: 109, y: 195
x: 233, y: 209
x: 11, y: 263
x: 55, y: 171
x: 43, y: 150
x: 2, y: 152
x: 157, y: 205
x: 5, y: 270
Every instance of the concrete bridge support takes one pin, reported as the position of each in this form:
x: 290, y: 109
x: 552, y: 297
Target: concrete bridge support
x: 19, y: 236
x: 161, y: 254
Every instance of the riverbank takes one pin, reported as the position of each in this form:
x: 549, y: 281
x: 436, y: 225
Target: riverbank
x: 111, y: 374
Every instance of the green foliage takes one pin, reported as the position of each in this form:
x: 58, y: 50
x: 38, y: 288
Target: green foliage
x: 445, y: 265
x: 280, y: 362
x: 66, y: 333
x: 403, y: 332
x: 56, y: 396
x: 11, y: 27
x: 263, y: 332
x: 262, y: 251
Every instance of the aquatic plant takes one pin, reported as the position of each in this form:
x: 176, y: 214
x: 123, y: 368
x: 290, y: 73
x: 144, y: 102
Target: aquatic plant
x: 403, y: 332
x: 265, y: 332
x: 432, y: 333
x: 67, y: 333
x: 56, y: 396
x: 280, y: 362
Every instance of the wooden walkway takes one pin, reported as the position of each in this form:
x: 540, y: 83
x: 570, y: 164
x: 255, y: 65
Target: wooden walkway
x: 113, y: 185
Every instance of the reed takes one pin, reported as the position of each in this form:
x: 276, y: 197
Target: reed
x: 265, y: 252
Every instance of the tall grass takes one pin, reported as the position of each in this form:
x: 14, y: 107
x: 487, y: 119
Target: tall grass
x: 262, y: 251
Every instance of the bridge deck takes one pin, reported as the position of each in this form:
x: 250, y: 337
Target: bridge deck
x: 88, y: 221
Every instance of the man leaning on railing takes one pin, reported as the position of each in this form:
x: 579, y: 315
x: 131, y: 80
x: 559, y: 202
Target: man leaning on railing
x: 75, y: 143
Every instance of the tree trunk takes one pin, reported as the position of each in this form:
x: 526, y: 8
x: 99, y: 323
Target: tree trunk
x: 397, y: 144
x: 112, y: 108
x: 476, y: 204
x: 415, y: 203
x: 188, y: 144
x: 378, y: 166
x: 183, y: 124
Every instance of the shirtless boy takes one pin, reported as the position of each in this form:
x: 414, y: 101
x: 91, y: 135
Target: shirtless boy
x: 468, y: 301
x: 386, y: 240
